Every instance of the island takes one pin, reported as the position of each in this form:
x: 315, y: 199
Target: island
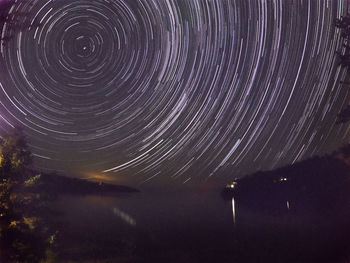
x: 55, y: 184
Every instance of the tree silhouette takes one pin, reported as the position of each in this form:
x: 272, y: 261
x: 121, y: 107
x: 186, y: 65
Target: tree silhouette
x: 16, y: 21
x: 25, y: 235
x: 344, y: 58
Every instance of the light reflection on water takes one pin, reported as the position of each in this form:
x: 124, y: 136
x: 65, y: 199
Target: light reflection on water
x: 281, y: 230
x: 189, y: 223
x: 233, y: 211
x: 124, y: 216
x: 189, y: 226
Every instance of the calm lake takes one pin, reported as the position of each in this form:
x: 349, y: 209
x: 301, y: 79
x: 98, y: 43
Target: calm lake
x: 191, y: 225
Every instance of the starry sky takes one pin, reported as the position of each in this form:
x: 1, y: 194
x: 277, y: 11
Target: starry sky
x: 172, y: 90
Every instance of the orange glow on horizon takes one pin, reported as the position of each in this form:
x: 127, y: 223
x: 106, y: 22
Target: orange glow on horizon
x: 97, y: 177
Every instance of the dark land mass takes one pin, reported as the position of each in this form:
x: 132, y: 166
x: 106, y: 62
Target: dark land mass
x: 54, y: 184
x: 297, y: 213
x: 315, y: 178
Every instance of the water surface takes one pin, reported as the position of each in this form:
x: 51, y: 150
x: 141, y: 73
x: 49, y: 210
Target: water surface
x: 191, y: 225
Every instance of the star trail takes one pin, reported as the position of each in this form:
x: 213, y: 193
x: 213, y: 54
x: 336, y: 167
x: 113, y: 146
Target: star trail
x: 177, y: 90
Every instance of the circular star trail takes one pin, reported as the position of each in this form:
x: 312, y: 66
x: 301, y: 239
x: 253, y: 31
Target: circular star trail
x: 172, y: 89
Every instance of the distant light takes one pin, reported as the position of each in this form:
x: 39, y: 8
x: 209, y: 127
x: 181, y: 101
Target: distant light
x: 231, y: 185
x: 283, y: 179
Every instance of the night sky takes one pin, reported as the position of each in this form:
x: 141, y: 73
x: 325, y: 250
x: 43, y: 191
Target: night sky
x: 172, y: 90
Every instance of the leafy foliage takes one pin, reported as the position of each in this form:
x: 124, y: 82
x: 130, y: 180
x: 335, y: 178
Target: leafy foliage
x: 25, y: 234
